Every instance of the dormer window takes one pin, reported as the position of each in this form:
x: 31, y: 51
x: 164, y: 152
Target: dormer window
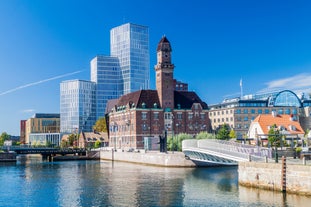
x: 143, y: 105
x: 292, y: 127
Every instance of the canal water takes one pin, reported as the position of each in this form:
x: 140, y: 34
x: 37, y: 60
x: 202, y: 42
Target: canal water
x: 33, y: 182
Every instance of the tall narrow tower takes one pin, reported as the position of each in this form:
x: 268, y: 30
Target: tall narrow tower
x: 164, y: 74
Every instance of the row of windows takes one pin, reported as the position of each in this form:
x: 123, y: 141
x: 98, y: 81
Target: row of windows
x: 266, y: 111
x: 168, y: 116
x: 222, y: 112
x: 254, y: 111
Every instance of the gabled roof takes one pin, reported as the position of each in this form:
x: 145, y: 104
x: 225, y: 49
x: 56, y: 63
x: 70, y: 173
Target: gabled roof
x: 149, y: 97
x: 110, y: 104
x: 267, y: 120
x: 186, y: 99
x: 94, y: 136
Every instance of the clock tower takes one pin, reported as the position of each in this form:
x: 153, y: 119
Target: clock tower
x: 164, y: 74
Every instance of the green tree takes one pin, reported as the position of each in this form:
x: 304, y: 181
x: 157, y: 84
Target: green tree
x: 100, y: 125
x: 232, y: 134
x: 204, y: 135
x: 97, y: 144
x: 64, y: 144
x: 71, y: 139
x: 3, y: 137
x: 274, y: 135
x: 223, y: 132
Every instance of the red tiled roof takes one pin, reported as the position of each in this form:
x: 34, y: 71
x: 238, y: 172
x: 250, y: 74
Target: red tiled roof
x: 267, y: 120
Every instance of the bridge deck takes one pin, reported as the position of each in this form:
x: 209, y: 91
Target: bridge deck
x: 218, y: 152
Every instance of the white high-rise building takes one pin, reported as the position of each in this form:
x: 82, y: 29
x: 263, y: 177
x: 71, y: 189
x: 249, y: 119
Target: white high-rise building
x: 130, y: 43
x: 105, y: 72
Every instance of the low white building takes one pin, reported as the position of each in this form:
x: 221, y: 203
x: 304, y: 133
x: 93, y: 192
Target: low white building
x: 286, y: 124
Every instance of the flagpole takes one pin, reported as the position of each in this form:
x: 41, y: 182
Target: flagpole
x: 241, y: 87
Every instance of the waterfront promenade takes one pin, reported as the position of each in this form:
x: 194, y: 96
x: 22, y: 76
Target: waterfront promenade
x: 155, y: 158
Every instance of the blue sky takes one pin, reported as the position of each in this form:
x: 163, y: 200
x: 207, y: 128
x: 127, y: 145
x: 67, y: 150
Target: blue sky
x: 215, y: 44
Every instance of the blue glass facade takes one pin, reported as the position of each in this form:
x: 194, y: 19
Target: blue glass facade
x: 130, y: 43
x: 77, y: 106
x: 106, y: 73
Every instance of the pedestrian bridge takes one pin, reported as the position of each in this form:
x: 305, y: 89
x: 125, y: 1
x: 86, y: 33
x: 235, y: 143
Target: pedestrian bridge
x: 212, y: 152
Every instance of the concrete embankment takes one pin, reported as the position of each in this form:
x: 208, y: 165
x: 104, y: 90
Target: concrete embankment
x: 170, y: 159
x: 90, y: 155
x: 291, y: 178
x: 7, y: 156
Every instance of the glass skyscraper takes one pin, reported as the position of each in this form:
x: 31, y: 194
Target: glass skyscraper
x: 77, y: 106
x: 105, y: 72
x: 130, y: 43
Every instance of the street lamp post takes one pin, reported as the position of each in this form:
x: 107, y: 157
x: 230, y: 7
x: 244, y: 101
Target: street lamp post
x: 276, y: 149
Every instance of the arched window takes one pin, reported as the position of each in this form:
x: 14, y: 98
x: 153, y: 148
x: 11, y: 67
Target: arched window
x: 287, y: 98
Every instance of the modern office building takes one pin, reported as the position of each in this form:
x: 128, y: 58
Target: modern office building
x: 238, y: 113
x: 144, y: 114
x: 41, y: 123
x: 45, y: 139
x: 77, y: 106
x: 130, y: 43
x: 106, y: 73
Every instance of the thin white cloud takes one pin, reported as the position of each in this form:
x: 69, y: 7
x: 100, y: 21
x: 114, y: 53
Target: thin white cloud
x: 298, y: 82
x: 28, y: 111
x: 38, y: 82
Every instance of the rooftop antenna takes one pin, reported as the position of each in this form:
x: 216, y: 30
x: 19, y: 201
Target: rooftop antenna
x: 241, y: 87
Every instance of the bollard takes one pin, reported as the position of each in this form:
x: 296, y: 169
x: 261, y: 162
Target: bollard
x: 304, y: 160
x: 266, y: 159
x: 249, y: 158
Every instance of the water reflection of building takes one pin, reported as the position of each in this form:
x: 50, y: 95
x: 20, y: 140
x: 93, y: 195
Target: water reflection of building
x: 238, y: 113
x: 151, y: 113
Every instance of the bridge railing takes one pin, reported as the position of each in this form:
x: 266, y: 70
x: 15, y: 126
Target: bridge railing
x: 230, y: 148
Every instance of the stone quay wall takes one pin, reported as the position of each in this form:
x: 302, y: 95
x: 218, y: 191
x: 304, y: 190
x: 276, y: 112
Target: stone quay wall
x: 269, y: 176
x: 7, y: 156
x: 170, y: 159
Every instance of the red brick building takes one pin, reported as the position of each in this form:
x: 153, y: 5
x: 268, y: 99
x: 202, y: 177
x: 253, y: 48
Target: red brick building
x: 23, y: 131
x: 149, y: 113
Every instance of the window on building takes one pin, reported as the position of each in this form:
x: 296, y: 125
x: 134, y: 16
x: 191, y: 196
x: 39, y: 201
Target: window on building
x: 202, y: 116
x: 252, y: 111
x: 144, y: 115
x: 287, y: 111
x: 179, y: 116
x: 238, y: 111
x: 245, y: 111
x: 245, y: 118
x: 259, y: 111
x: 267, y: 111
x: 144, y: 127
x: 156, y: 115
x: 190, y: 116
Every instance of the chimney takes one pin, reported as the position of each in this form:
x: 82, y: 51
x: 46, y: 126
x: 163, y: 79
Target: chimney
x: 291, y: 117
